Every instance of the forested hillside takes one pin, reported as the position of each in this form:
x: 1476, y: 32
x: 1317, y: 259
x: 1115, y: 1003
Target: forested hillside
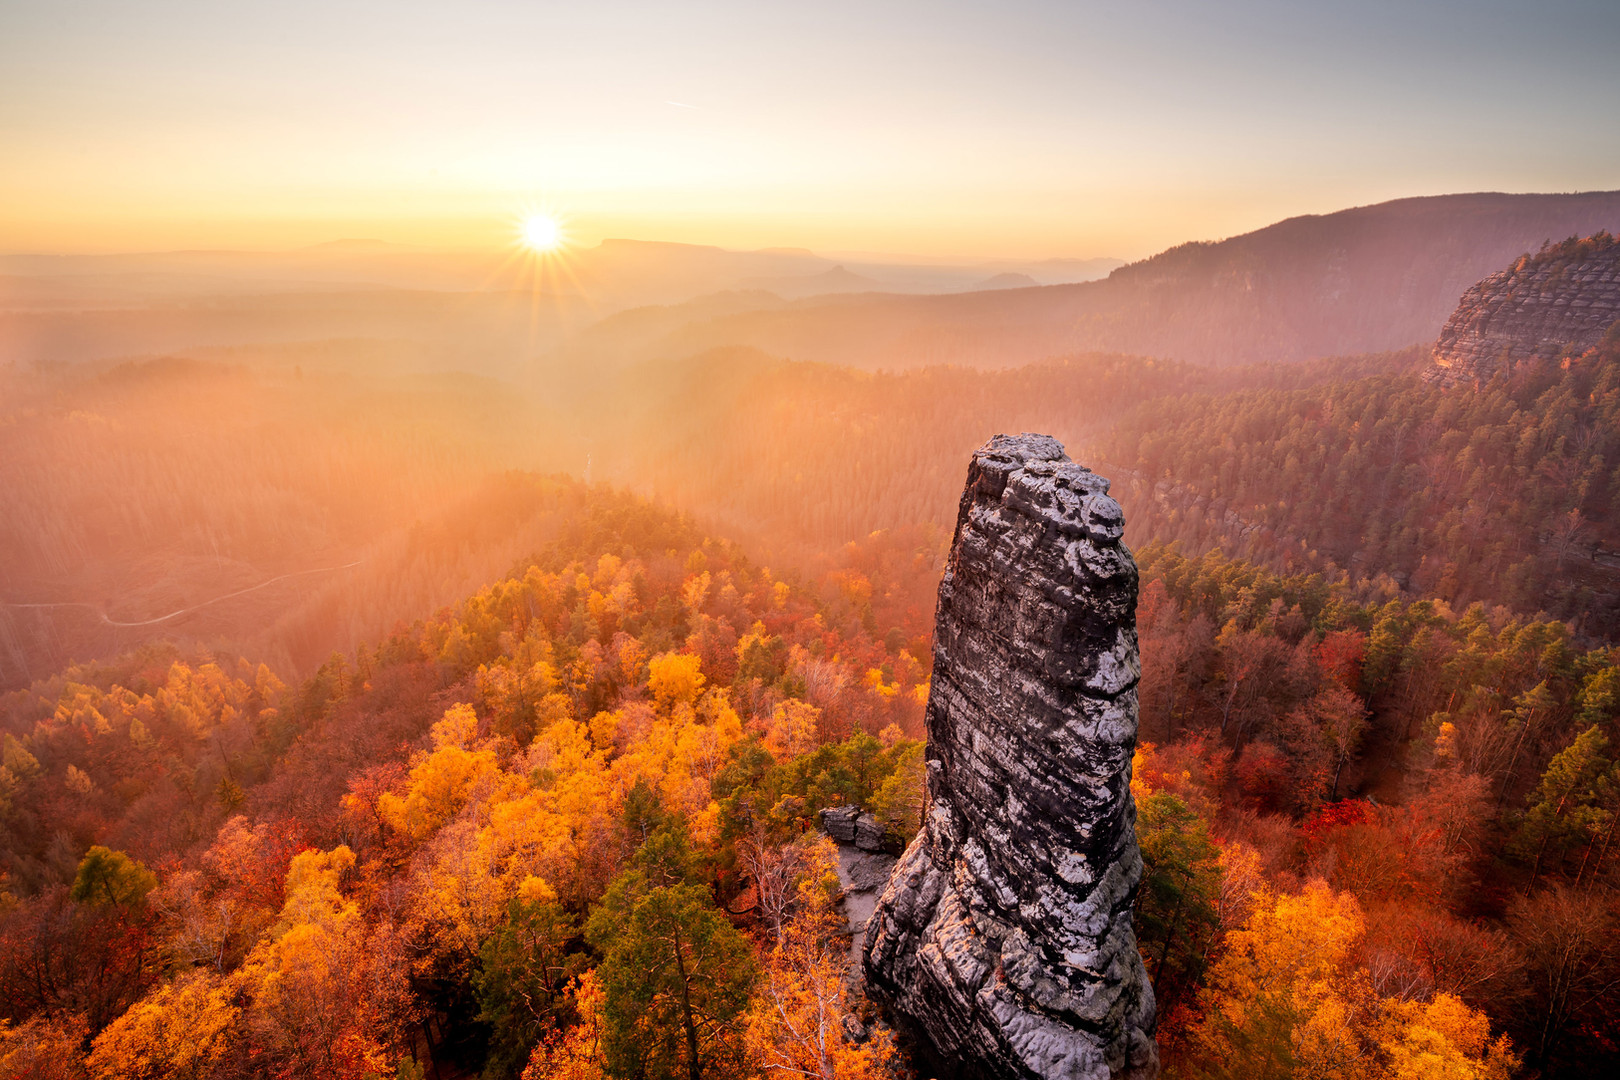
x: 1505, y: 493
x: 210, y: 499
x: 1348, y: 811
x: 1502, y: 493
x: 479, y: 838
x: 287, y: 502
x: 263, y: 498
x: 805, y: 456
x: 475, y: 844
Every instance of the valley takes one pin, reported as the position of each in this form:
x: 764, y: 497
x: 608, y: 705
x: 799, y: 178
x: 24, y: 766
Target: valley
x: 422, y: 685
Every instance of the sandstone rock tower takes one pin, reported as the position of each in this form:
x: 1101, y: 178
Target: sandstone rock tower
x: 1004, y: 937
x: 1562, y: 298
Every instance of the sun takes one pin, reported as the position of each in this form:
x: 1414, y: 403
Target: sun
x: 542, y: 233
x: 541, y: 251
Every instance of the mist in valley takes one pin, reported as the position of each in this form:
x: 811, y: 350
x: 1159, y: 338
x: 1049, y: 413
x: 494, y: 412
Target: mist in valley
x: 745, y: 542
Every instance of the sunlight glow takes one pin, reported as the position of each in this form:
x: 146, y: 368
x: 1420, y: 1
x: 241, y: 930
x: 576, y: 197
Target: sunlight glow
x: 538, y: 266
x: 542, y: 233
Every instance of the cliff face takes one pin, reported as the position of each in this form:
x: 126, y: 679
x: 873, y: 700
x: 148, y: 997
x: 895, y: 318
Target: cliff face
x: 1004, y: 936
x: 1564, y: 297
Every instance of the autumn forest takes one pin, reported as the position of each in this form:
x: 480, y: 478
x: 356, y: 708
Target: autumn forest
x: 566, y: 823
x: 511, y: 650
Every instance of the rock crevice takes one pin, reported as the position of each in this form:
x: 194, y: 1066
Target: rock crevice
x: 1004, y: 936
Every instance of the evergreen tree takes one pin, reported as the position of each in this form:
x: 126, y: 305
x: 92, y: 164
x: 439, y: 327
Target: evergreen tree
x: 676, y: 980
x: 1567, y: 806
x: 523, y: 976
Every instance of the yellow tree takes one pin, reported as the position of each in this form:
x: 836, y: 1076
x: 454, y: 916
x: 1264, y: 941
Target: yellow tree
x: 1442, y: 1040
x: 793, y: 728
x: 442, y: 781
x: 326, y: 995
x: 674, y: 678
x: 1287, y: 999
x: 1283, y: 999
x: 181, y: 1030
x: 800, y: 1023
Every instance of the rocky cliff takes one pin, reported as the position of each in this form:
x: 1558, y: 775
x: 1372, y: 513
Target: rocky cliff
x: 1004, y: 936
x: 1563, y: 298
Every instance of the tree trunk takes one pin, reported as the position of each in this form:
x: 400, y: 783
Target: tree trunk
x: 1513, y: 763
x: 1169, y: 936
x: 1597, y: 870
x: 1231, y: 699
x: 1535, y: 871
x: 694, y: 1068
x: 1591, y: 842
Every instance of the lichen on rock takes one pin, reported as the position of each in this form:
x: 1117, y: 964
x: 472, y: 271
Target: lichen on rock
x: 1004, y: 937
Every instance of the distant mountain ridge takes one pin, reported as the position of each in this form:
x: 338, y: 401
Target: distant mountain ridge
x: 1368, y: 279
x: 840, y: 279
x: 1010, y: 280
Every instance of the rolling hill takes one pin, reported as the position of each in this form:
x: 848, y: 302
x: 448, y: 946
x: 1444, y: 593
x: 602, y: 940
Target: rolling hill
x: 1368, y: 279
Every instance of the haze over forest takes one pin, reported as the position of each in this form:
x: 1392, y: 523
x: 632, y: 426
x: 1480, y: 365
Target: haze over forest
x: 475, y: 486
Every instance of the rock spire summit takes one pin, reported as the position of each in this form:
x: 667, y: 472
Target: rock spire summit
x: 1004, y: 936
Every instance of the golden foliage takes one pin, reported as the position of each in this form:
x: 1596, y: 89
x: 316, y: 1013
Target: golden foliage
x: 458, y: 727
x: 181, y: 1030
x: 675, y: 678
x: 327, y: 994
x: 793, y: 728
x: 1289, y: 999
x: 313, y: 896
x: 1442, y: 1040
x: 42, y: 1048
x: 800, y: 1023
x: 441, y: 782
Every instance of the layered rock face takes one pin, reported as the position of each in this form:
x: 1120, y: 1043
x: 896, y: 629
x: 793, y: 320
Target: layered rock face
x: 1564, y: 297
x: 1004, y: 936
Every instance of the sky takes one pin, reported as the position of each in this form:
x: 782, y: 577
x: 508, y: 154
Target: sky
x: 1014, y: 129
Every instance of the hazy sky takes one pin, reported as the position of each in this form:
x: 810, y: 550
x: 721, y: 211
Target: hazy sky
x: 1008, y: 128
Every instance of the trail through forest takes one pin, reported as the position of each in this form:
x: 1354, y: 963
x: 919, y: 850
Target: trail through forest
x: 110, y: 621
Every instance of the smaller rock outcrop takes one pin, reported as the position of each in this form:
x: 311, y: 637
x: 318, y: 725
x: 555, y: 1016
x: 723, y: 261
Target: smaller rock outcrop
x: 1004, y: 938
x: 1563, y: 298
x: 849, y: 825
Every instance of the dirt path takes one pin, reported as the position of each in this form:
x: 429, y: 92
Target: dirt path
x: 863, y: 875
x: 194, y: 607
